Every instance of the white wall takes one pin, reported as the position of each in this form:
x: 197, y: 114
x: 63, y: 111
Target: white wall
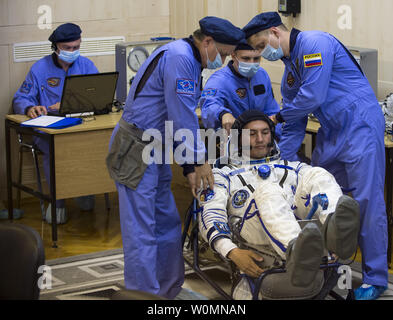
x: 141, y: 19
x: 135, y: 19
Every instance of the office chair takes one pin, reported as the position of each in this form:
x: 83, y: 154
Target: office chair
x: 22, y: 253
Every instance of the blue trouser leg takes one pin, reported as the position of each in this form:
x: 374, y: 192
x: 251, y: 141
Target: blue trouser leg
x: 44, y: 147
x: 168, y: 231
x: 151, y: 233
x: 368, y: 176
x: 366, y: 173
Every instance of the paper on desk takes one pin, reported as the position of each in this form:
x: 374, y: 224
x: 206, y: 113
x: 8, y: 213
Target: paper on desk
x: 42, y: 121
x: 52, y: 122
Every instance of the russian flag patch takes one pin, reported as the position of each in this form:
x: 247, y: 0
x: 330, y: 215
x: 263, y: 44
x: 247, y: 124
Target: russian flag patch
x: 313, y: 60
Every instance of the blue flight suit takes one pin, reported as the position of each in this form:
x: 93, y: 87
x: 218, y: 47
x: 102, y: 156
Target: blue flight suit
x: 227, y: 91
x: 150, y: 222
x: 43, y: 86
x: 321, y: 77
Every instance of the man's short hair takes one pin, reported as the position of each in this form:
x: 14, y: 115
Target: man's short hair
x: 199, y: 35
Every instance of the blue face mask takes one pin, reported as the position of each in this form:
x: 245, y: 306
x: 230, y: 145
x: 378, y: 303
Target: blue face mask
x: 272, y: 54
x: 217, y: 63
x: 69, y: 56
x: 248, y: 70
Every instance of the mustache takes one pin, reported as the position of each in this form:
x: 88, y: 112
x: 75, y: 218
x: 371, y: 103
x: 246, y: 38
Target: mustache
x: 269, y: 145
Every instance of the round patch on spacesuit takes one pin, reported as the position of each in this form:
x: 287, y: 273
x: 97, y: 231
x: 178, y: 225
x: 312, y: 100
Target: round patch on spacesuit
x: 240, y: 198
x: 290, y: 79
x: 206, y: 195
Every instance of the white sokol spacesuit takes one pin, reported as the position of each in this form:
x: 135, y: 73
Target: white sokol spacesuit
x: 268, y: 207
x: 256, y: 205
x: 263, y: 208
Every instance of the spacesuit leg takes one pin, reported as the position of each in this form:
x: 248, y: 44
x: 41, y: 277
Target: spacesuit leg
x: 311, y: 183
x: 340, y: 219
x: 276, y: 217
x: 302, y: 249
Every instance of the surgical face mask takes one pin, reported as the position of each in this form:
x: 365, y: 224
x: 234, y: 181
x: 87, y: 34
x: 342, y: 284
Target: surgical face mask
x: 217, y: 63
x: 248, y: 70
x: 272, y: 54
x: 68, y: 56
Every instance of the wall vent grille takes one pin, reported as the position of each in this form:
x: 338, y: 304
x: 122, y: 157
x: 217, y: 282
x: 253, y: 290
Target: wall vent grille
x: 32, y: 51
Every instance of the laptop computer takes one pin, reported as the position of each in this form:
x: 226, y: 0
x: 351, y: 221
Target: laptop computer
x: 88, y: 94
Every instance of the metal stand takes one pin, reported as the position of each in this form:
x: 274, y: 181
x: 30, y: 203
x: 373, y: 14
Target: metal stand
x: 191, y: 216
x: 40, y: 195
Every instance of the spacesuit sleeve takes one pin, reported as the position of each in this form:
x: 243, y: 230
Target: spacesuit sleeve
x: 27, y: 94
x: 291, y: 138
x: 213, y: 223
x: 317, y: 60
x: 181, y: 99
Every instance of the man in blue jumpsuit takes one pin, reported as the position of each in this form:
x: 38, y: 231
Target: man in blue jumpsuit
x: 322, y: 77
x: 165, y: 89
x: 42, y: 89
x: 241, y: 85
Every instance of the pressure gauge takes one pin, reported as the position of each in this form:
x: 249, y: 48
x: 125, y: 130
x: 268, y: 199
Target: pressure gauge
x: 137, y: 57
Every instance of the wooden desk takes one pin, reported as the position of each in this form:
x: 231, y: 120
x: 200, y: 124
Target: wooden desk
x: 77, y: 160
x: 312, y: 128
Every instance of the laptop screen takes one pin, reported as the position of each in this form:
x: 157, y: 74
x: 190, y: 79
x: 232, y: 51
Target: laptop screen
x: 88, y: 93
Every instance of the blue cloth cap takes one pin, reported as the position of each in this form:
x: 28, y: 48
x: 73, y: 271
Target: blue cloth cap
x: 65, y: 33
x: 221, y: 30
x: 262, y: 21
x: 243, y: 45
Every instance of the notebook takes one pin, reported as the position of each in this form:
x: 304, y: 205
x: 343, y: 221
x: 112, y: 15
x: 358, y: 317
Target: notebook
x: 87, y: 94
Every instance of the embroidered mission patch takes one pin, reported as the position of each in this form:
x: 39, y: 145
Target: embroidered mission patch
x: 240, y: 198
x: 26, y: 87
x: 241, y: 92
x: 53, y: 82
x: 313, y: 60
x: 185, y: 86
x: 209, y: 93
x: 206, y: 195
x: 222, y: 227
x: 290, y: 79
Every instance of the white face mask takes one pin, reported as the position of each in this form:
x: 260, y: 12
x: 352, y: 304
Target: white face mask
x: 69, y: 56
x: 247, y: 69
x: 217, y: 63
x: 272, y: 54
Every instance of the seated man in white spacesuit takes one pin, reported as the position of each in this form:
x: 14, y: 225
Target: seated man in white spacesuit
x: 258, y: 199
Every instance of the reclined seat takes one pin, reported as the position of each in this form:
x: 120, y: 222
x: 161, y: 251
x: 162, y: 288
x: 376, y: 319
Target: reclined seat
x: 273, y: 284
